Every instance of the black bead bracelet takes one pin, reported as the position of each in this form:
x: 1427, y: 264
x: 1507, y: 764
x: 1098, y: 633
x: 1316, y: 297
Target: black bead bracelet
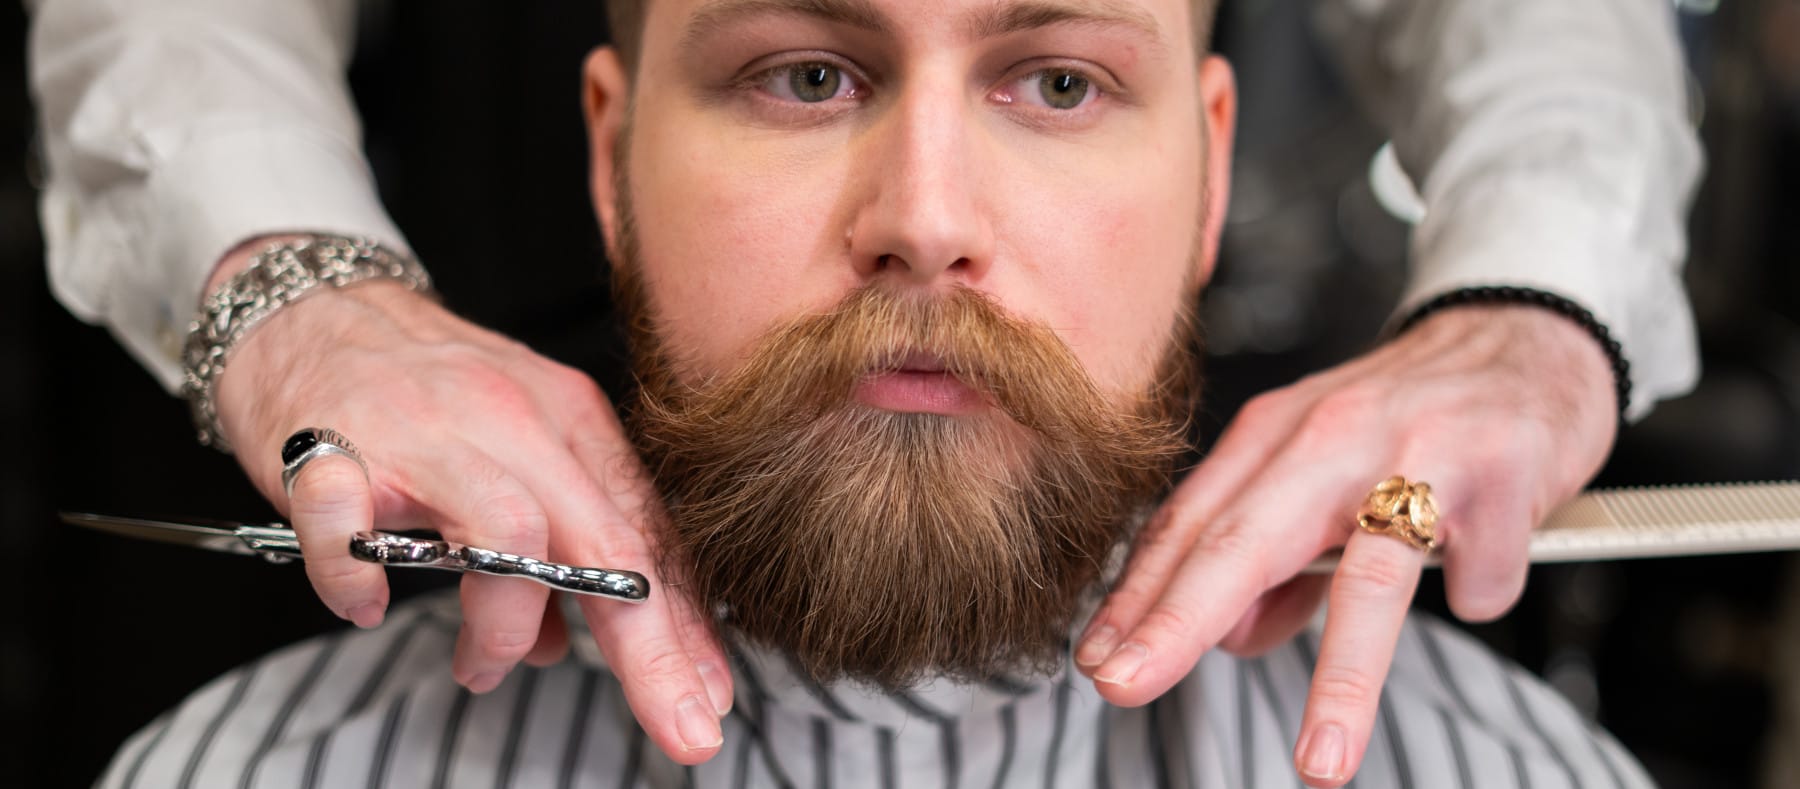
x: 1507, y: 294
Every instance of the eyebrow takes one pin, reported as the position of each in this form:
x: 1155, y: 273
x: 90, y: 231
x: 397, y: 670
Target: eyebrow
x: 712, y: 17
x: 1002, y: 18
x: 997, y: 19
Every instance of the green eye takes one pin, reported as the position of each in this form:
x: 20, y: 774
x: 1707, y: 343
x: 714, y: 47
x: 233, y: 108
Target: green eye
x: 814, y: 82
x: 1063, y: 90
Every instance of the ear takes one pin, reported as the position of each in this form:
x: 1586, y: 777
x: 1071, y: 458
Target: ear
x: 1218, y: 117
x: 605, y: 95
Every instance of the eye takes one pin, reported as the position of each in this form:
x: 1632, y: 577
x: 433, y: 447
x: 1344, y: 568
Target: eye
x: 1058, y: 89
x: 1061, y: 89
x: 810, y: 83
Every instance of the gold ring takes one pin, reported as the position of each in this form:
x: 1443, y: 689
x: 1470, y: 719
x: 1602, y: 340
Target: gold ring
x: 1403, y: 509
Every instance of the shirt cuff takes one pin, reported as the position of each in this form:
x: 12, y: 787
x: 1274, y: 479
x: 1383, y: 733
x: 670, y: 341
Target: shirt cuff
x: 1527, y: 232
x: 217, y: 192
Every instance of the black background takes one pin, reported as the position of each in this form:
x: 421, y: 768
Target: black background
x: 474, y: 128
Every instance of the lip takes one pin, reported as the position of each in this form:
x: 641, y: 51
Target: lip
x: 921, y: 362
x: 920, y: 383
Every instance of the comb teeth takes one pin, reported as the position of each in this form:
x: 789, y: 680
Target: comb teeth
x: 1672, y: 521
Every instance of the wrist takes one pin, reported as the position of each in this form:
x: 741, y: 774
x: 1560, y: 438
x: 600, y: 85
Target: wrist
x: 1575, y: 326
x: 250, y: 290
x: 240, y: 257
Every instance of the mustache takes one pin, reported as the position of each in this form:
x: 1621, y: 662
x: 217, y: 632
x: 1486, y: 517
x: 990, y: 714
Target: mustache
x: 811, y: 366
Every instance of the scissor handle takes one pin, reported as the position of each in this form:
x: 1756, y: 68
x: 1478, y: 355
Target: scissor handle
x: 399, y: 550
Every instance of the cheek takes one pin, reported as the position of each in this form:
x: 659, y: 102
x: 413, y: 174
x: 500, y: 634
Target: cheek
x: 729, y: 239
x: 1110, y: 271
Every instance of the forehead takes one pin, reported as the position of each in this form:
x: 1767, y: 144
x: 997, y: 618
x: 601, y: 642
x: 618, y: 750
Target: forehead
x: 1164, y: 24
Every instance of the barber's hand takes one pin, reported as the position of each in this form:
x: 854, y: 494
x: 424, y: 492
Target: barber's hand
x: 474, y: 435
x: 1507, y: 411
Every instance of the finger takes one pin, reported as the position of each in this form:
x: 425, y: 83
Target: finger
x: 669, y: 663
x: 1289, y: 514
x: 663, y: 684
x: 1261, y: 427
x: 600, y: 446
x: 553, y: 638
x: 330, y: 502
x: 603, y: 481
x: 1277, y: 615
x: 1370, y: 594
x: 1487, y: 541
x: 478, y: 502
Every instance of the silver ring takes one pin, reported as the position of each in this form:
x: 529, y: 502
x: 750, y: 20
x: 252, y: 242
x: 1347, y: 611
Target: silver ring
x: 311, y: 444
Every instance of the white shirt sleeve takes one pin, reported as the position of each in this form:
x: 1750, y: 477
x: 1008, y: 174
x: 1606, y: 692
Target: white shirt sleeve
x: 1551, y: 143
x: 175, y: 130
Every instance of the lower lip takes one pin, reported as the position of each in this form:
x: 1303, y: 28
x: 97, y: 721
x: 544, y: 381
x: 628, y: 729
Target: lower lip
x: 920, y: 392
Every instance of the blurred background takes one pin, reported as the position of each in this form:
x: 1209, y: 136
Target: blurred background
x: 474, y: 128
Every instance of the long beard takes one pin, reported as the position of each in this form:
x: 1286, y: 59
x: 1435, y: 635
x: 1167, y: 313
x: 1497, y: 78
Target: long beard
x: 885, y: 547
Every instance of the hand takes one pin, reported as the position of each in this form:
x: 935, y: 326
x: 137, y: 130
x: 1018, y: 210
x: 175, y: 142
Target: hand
x: 1505, y: 410
x: 474, y: 435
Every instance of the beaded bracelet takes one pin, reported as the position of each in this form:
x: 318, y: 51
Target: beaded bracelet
x: 1507, y: 294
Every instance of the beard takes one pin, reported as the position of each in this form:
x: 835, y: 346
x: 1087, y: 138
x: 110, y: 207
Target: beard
x: 884, y: 547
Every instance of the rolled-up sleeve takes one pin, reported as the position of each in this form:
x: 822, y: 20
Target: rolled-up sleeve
x: 1552, y: 147
x: 175, y: 130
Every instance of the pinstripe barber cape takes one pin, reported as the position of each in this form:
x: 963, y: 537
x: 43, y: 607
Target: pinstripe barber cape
x: 379, y: 708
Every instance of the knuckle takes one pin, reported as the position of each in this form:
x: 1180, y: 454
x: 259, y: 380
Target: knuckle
x: 1477, y: 601
x: 1133, y: 592
x: 662, y: 660
x: 504, y: 643
x: 1340, y: 412
x: 499, y: 395
x: 1479, y: 609
x: 1260, y: 409
x: 328, y: 485
x: 1173, y: 620
x: 1230, y: 539
x: 1165, y: 535
x: 1378, y: 574
x: 576, y: 387
x: 1233, y: 543
x: 341, y: 587
x: 1341, y: 686
x: 339, y: 574
x: 514, y: 519
x: 475, y: 470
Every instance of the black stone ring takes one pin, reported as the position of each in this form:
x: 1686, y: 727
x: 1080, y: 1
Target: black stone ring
x: 311, y: 444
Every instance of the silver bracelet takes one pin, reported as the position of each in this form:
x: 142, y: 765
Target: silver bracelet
x: 278, y: 276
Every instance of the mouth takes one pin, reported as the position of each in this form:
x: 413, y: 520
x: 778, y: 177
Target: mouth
x: 919, y: 383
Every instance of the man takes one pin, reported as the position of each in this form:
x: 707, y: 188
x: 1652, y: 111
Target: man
x: 1044, y: 171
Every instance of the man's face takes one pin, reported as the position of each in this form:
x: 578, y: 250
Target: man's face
x: 1059, y: 164
x: 1059, y: 156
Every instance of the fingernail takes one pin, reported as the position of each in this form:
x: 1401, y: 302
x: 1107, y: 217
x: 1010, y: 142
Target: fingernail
x: 366, y: 616
x: 1097, y: 646
x: 482, y: 683
x: 698, y: 727
x: 1123, y: 665
x: 1324, y: 753
x: 715, y: 687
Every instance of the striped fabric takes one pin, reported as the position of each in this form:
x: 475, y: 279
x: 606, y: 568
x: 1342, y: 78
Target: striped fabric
x: 379, y: 708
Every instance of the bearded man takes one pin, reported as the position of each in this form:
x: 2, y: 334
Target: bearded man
x: 910, y: 289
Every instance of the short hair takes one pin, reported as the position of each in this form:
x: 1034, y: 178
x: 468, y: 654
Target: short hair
x: 625, y: 20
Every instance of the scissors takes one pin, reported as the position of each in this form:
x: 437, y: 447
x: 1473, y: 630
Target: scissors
x: 278, y: 544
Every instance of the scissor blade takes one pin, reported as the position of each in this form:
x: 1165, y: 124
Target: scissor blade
x: 213, y: 538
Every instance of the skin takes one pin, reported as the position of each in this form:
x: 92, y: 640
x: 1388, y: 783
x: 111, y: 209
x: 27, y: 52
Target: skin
x: 937, y: 166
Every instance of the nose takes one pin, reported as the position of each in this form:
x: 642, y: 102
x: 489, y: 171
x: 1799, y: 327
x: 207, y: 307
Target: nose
x: 922, y: 220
